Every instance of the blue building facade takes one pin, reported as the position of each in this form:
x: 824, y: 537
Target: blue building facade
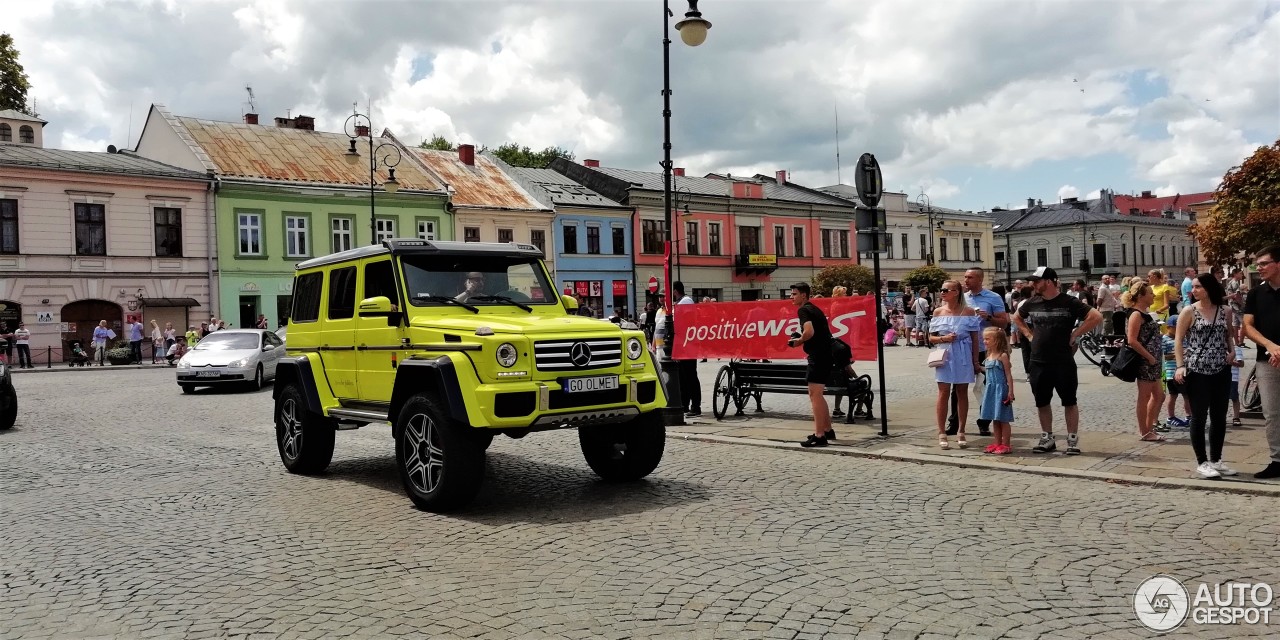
x: 592, y: 241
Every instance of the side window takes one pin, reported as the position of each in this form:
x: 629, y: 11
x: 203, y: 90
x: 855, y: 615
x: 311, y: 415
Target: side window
x: 380, y: 281
x: 342, y: 293
x: 306, y: 297
x: 272, y: 339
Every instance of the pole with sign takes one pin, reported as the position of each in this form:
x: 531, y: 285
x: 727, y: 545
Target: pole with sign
x: 872, y: 227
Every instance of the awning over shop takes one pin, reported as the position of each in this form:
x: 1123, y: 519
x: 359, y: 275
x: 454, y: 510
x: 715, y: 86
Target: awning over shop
x: 170, y: 302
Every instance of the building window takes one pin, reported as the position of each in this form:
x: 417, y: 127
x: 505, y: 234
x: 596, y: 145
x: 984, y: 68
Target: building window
x: 570, y: 234
x: 426, y: 229
x: 385, y: 229
x: 506, y: 236
x: 1000, y: 261
x: 1022, y: 259
x: 843, y: 237
x: 6, y: 133
x: 250, y: 231
x: 1099, y: 255
x: 538, y: 238
x: 1162, y: 260
x: 904, y: 247
x: 780, y: 241
x: 835, y: 243
x: 168, y: 231
x: 1042, y: 257
x: 651, y: 239
x: 889, y: 249
x: 1124, y: 254
x: 295, y: 236
x: 713, y: 238
x: 748, y: 240
x: 691, y: 238
x: 924, y: 248
x: 471, y: 234
x: 1153, y: 255
x: 977, y: 250
x: 797, y: 242
x: 619, y: 241
x: 1142, y: 255
x: 26, y: 134
x: 1066, y: 257
x: 91, y: 229
x: 593, y: 239
x: 942, y: 249
x: 340, y: 234
x: 964, y: 247
x: 8, y: 226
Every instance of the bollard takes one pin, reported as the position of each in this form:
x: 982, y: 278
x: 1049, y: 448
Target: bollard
x: 48, y: 357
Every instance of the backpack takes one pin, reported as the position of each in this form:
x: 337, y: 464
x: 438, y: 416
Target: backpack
x: 841, y: 354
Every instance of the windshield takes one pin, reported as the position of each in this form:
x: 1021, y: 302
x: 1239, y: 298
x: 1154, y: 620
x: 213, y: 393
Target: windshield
x: 479, y: 280
x: 218, y: 341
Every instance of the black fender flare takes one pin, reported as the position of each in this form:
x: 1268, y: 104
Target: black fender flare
x: 297, y: 370
x: 437, y: 374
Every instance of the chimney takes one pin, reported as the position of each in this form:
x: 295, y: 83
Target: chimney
x: 678, y: 171
x: 306, y: 123
x: 1146, y: 194
x: 1069, y: 200
x: 251, y: 118
x: 467, y: 154
x: 285, y: 123
x: 781, y: 176
x: 1039, y: 202
x: 591, y: 163
x: 1031, y: 202
x: 362, y: 131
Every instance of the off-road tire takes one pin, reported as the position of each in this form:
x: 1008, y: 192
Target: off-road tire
x: 624, y: 452
x: 258, y: 379
x: 441, y: 461
x: 304, y: 439
x: 10, y: 415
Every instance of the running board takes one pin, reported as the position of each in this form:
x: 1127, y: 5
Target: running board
x: 357, y: 415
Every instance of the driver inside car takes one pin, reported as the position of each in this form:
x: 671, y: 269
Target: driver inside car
x: 473, y: 286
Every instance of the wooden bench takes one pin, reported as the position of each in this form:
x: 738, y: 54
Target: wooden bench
x: 741, y: 380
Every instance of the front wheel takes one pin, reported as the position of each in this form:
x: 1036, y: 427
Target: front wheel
x: 624, y: 452
x: 257, y: 378
x: 1091, y: 348
x: 305, y: 440
x: 9, y: 415
x: 723, y: 393
x: 441, y: 461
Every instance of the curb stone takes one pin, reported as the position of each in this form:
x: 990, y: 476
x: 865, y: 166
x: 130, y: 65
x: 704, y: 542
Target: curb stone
x: 1226, y: 486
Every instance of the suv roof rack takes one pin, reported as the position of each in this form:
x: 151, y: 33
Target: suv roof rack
x: 415, y: 246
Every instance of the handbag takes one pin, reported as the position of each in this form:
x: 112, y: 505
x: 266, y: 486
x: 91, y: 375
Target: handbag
x: 1126, y: 363
x: 937, y: 358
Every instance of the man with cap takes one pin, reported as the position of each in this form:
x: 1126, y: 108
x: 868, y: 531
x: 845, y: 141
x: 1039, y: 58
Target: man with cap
x: 1053, y: 334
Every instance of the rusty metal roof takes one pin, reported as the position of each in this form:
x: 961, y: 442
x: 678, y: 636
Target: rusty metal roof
x: 483, y: 184
x: 296, y: 156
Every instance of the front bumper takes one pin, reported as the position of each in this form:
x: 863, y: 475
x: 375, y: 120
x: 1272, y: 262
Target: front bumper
x: 223, y: 375
x: 547, y: 403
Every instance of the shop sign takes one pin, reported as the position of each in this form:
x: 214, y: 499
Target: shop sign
x: 597, y: 288
x: 582, y: 287
x: 762, y: 260
x: 619, y: 288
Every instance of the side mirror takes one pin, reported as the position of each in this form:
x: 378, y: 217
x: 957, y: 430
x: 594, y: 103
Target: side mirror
x: 375, y: 307
x: 570, y: 302
x: 268, y: 347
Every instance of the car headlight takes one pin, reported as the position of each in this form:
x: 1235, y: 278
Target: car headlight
x: 507, y: 354
x: 183, y: 364
x: 634, y: 349
x: 239, y: 363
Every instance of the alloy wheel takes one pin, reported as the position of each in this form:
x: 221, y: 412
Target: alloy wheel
x: 424, y: 462
x: 291, y: 439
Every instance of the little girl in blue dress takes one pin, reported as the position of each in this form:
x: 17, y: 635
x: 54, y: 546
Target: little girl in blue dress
x: 997, y: 401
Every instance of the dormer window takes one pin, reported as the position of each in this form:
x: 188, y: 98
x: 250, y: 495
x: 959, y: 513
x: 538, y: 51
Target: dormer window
x: 26, y: 134
x: 6, y: 132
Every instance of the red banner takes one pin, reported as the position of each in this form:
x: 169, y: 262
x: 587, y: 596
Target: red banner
x: 759, y: 330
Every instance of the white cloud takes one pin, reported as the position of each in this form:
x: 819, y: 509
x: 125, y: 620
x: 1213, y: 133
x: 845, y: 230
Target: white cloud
x: 1068, y: 191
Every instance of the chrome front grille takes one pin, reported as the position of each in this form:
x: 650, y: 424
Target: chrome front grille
x: 577, y: 355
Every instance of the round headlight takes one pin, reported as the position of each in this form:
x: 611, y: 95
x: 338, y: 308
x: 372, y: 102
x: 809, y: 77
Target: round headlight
x: 634, y: 349
x: 507, y: 354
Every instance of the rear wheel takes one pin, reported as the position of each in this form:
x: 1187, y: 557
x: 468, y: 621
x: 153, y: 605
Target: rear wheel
x: 441, y: 461
x: 624, y: 452
x: 1091, y: 347
x: 305, y: 440
x: 9, y: 415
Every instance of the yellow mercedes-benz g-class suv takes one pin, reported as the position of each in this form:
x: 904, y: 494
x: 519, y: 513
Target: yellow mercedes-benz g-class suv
x: 452, y: 343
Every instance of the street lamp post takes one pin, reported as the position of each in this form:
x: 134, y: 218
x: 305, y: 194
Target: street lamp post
x: 381, y: 155
x: 1083, y: 263
x: 680, y: 194
x: 693, y: 32
x: 925, y: 205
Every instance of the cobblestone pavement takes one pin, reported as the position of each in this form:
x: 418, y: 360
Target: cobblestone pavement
x: 130, y: 510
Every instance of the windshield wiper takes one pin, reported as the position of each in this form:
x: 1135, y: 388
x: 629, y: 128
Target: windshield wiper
x: 436, y: 298
x: 504, y: 299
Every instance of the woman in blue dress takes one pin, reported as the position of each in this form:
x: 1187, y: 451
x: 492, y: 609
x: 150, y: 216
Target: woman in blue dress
x: 954, y: 327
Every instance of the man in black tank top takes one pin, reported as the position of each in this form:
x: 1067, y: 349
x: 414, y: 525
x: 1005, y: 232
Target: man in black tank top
x: 815, y: 337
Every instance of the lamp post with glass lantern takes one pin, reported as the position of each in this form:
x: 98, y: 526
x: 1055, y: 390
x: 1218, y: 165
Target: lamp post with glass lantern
x: 693, y: 32
x: 387, y: 155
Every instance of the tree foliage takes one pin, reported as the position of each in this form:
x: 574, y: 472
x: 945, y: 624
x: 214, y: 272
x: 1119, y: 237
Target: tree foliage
x: 929, y: 276
x: 522, y: 156
x: 13, y: 79
x: 1247, y: 214
x: 854, y: 277
x: 437, y: 142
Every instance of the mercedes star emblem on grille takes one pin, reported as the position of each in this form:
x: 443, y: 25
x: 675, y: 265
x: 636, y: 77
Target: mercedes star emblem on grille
x: 580, y: 354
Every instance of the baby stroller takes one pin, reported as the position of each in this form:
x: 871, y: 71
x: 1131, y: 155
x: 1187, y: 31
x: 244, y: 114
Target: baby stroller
x: 78, y: 356
x: 1110, y: 345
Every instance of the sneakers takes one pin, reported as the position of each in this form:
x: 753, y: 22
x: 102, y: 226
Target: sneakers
x: 1206, y: 470
x: 1163, y: 427
x: 1073, y: 445
x: 830, y: 434
x: 1272, y: 471
x: 1047, y: 444
x: 1177, y: 423
x: 1222, y: 468
x: 814, y: 441
x: 837, y: 414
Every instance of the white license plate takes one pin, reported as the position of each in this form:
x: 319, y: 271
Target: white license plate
x: 594, y: 383
x: 213, y: 373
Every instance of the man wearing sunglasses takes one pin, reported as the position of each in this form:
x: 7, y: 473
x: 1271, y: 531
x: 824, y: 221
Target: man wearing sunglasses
x: 1262, y: 326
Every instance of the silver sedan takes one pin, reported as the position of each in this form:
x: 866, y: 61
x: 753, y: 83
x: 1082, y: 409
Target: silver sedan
x: 231, y: 356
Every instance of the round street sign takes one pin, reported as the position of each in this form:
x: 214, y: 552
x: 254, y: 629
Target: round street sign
x: 653, y: 284
x: 867, y: 180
